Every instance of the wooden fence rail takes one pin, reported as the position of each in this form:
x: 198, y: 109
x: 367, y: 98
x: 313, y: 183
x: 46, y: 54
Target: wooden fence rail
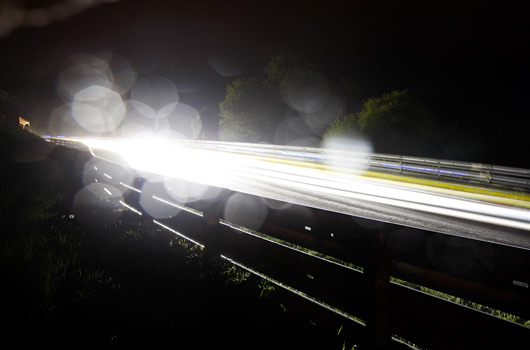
x: 365, y: 274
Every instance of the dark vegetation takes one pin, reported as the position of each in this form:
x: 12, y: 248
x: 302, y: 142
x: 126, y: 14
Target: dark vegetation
x: 302, y: 104
x: 125, y: 284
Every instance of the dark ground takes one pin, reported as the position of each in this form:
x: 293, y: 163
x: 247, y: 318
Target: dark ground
x: 127, y: 284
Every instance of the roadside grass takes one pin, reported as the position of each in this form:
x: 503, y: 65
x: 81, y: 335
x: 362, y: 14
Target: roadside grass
x: 486, y: 309
x: 483, y: 308
x: 42, y: 248
x: 128, y: 283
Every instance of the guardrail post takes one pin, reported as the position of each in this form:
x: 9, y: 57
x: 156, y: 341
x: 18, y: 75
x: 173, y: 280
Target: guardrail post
x: 211, y: 217
x: 378, y: 289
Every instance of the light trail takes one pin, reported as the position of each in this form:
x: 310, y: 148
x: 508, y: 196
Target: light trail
x: 181, y: 207
x: 395, y: 195
x: 178, y: 233
x: 131, y: 208
x: 225, y: 169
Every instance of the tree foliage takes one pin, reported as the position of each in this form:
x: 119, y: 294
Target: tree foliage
x: 209, y: 120
x: 398, y: 109
x: 275, y: 72
x: 250, y: 111
x: 395, y: 121
x: 343, y: 126
x: 267, y: 108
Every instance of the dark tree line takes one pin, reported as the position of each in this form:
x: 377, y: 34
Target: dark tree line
x: 297, y: 101
x: 298, y: 104
x: 286, y: 103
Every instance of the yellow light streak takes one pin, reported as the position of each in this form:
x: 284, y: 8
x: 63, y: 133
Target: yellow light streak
x: 474, y: 192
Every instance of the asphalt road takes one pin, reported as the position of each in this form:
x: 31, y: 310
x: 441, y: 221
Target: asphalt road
x: 488, y: 218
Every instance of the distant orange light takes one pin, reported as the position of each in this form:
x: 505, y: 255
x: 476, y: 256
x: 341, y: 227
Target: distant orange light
x: 23, y: 122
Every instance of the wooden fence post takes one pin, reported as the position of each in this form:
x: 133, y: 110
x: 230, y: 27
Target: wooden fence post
x: 378, y: 286
x: 211, y: 217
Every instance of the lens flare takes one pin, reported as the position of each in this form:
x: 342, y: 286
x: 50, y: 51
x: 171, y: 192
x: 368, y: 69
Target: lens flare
x: 311, y: 98
x: 93, y: 93
x: 225, y: 64
x: 154, y: 91
x: 350, y: 155
x: 98, y: 109
x: 83, y: 71
x: 124, y: 74
x: 155, y: 205
x: 186, y: 192
x: 98, y: 205
x: 244, y: 210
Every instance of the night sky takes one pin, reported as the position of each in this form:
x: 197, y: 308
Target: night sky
x: 467, y: 60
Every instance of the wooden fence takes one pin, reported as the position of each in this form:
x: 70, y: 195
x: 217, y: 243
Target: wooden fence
x: 373, y: 279
x: 366, y: 274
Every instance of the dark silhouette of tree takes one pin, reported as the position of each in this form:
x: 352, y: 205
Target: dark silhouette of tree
x: 257, y: 109
x: 352, y: 94
x: 276, y: 71
x: 210, y: 119
x: 395, y: 122
x: 250, y: 111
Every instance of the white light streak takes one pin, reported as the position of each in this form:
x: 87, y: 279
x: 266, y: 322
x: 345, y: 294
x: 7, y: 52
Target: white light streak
x: 318, y: 181
x: 158, y: 155
x: 178, y: 233
x: 131, y: 208
x: 224, y: 169
x: 189, y: 210
x: 520, y: 284
x: 297, y: 292
x: 130, y: 187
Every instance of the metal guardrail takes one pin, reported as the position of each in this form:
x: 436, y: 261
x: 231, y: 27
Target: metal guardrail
x: 510, y: 178
x: 516, y: 179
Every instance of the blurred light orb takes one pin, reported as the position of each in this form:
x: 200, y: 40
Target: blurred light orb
x: 306, y: 99
x: 184, y: 192
x: 183, y: 119
x: 248, y: 211
x: 291, y: 129
x: 93, y: 90
x: 151, y: 191
x: 323, y: 112
x: 82, y: 72
x: 154, y: 91
x: 166, y: 111
x: 187, y: 81
x: 139, y: 119
x: 227, y: 65
x: 143, y: 109
x: 347, y: 153
x: 61, y: 121
x: 313, y: 101
x: 124, y: 74
x: 98, y: 205
x: 98, y: 109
